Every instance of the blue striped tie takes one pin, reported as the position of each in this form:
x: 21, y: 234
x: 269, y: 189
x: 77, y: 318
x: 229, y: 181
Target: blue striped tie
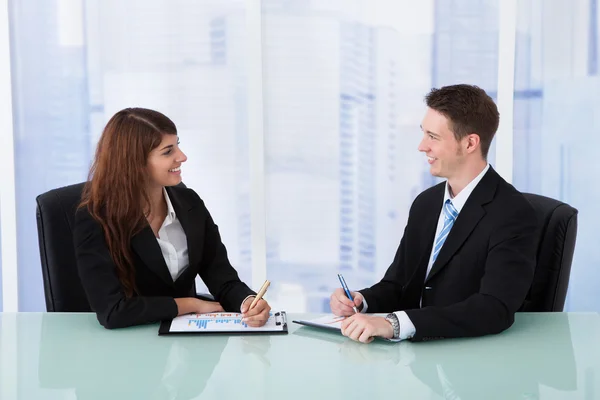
x: 450, y: 215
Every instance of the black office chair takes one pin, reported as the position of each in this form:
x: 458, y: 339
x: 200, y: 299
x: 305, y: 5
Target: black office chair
x: 55, y: 214
x: 554, y: 254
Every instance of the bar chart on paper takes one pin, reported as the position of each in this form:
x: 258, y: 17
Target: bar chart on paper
x: 201, y: 321
x: 224, y: 322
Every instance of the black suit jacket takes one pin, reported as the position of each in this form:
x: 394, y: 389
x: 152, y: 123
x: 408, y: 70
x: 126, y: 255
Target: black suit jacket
x: 482, y: 273
x: 155, y: 300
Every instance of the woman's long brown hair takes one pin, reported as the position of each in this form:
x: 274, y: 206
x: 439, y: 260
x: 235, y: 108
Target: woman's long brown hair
x: 116, y: 192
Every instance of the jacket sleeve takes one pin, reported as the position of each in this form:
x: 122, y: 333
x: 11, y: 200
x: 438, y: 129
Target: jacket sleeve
x: 386, y: 295
x: 104, y: 291
x: 216, y: 271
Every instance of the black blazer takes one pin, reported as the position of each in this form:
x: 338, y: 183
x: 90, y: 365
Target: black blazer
x: 482, y: 273
x: 155, y: 302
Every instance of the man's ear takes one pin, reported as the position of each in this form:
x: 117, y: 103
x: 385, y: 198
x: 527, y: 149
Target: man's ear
x: 473, y: 142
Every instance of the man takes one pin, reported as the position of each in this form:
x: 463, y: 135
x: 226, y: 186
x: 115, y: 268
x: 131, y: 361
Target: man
x: 467, y: 257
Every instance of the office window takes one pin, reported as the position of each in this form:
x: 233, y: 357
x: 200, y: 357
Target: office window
x: 556, y: 98
x: 1, y: 299
x: 343, y: 89
x: 75, y: 63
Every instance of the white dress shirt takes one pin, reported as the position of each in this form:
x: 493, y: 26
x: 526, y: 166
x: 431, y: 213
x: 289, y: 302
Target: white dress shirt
x: 173, y: 242
x: 407, y: 328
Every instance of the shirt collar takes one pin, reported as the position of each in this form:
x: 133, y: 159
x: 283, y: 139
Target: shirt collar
x: 459, y: 201
x: 170, y: 210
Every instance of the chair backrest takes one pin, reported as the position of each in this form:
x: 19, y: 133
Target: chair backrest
x: 55, y: 214
x: 558, y: 232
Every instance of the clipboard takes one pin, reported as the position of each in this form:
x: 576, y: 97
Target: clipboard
x: 331, y: 323
x: 222, y: 323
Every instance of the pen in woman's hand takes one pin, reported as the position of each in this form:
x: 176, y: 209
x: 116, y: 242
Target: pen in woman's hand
x: 260, y: 294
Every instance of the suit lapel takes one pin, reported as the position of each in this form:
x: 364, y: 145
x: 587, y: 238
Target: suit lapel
x: 428, y: 224
x: 186, y: 214
x: 146, y: 247
x: 467, y: 220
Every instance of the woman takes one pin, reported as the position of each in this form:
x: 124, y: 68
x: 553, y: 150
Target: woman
x: 140, y: 240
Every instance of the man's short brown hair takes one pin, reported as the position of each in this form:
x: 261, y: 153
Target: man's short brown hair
x: 469, y: 109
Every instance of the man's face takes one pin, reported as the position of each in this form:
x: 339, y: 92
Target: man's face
x: 445, y: 154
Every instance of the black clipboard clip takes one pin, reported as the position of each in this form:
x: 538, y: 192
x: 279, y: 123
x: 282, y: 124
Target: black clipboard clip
x: 281, y: 319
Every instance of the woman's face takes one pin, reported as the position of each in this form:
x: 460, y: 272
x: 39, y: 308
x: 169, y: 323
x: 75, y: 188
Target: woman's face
x: 164, y: 162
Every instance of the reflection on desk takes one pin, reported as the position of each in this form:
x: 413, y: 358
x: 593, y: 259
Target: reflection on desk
x: 508, y: 366
x: 122, y: 364
x: 62, y: 356
x: 538, y: 351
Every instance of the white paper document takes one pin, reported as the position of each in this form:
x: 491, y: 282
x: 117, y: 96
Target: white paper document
x: 225, y: 322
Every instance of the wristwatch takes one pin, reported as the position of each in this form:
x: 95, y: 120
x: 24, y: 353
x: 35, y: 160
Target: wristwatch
x: 393, y: 319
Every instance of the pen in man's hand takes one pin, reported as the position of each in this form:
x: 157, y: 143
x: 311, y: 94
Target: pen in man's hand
x: 345, y: 287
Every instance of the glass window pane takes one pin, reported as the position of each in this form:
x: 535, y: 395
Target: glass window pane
x: 75, y: 63
x: 344, y: 87
x: 556, y: 100
x: 1, y: 298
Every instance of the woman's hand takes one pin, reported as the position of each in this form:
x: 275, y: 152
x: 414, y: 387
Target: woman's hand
x: 259, y: 315
x: 189, y: 305
x: 205, y: 306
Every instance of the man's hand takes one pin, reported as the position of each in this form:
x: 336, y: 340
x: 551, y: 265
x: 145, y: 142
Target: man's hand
x: 341, y: 305
x: 259, y: 315
x: 363, y: 328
